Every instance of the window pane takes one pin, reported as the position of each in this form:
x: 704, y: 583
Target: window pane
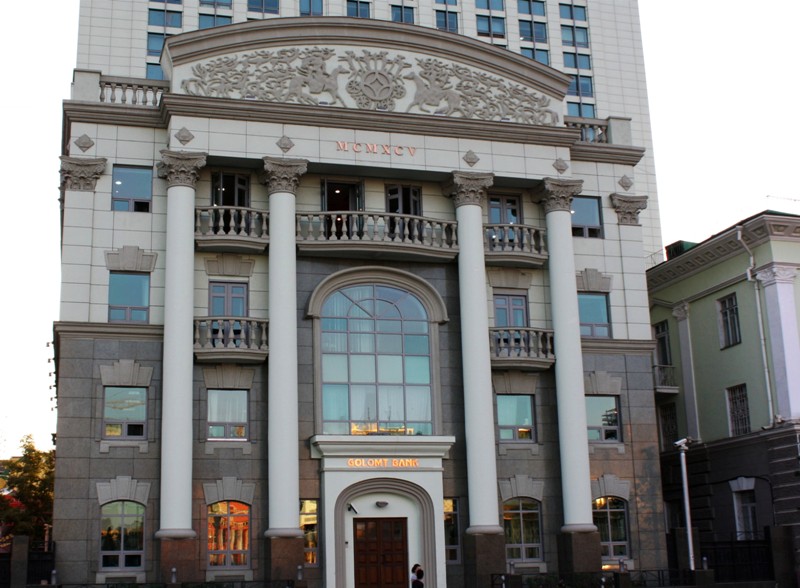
x: 390, y: 369
x: 418, y: 370
x: 362, y: 368
x: 134, y: 182
x: 593, y: 308
x: 600, y: 409
x: 128, y: 289
x: 334, y: 368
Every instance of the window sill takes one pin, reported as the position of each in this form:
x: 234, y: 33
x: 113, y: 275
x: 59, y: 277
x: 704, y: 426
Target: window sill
x: 245, y: 445
x: 620, y: 447
x: 528, y: 567
x: 107, y: 444
x: 504, y: 447
x: 119, y: 577
x: 229, y: 575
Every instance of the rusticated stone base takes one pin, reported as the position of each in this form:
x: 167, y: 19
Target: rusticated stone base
x: 484, y: 555
x: 283, y: 556
x: 579, y: 552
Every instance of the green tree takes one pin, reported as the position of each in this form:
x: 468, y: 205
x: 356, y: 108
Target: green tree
x: 29, y: 505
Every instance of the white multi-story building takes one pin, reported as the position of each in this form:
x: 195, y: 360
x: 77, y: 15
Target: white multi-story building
x: 342, y: 293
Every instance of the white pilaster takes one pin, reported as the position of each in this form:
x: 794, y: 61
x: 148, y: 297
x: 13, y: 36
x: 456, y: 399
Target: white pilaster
x: 469, y: 191
x: 781, y: 306
x: 572, y: 429
x: 180, y: 169
x: 282, y: 177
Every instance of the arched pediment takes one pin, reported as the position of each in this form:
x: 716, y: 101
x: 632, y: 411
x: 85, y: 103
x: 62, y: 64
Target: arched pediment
x: 365, y: 65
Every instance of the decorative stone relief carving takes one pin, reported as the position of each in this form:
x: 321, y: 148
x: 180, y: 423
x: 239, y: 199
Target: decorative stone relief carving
x: 628, y: 208
x: 777, y: 274
x: 514, y: 382
x: 471, y: 158
x: 611, y: 485
x: 84, y: 143
x: 681, y: 311
x: 376, y: 80
x: 180, y: 168
x: 285, y: 144
x: 742, y: 484
x: 229, y: 376
x: 468, y: 187
x: 229, y: 264
x: 131, y: 258
x: 560, y: 165
x: 125, y: 372
x: 283, y: 175
x: 626, y: 183
x: 509, y: 278
x: 184, y: 136
x: 521, y: 485
x: 556, y: 194
x: 602, y: 383
x: 122, y: 488
x: 229, y: 488
x: 591, y: 280
x: 81, y: 173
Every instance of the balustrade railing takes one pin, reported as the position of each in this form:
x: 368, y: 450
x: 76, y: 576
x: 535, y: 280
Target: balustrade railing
x: 231, y: 221
x: 229, y: 332
x: 514, y: 239
x: 376, y: 227
x: 664, y: 376
x: 521, y: 343
x: 131, y: 91
x: 593, y: 130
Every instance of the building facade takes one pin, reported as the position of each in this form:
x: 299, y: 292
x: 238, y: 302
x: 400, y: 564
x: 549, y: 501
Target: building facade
x: 725, y: 321
x: 342, y: 294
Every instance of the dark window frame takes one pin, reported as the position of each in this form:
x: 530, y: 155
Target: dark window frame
x: 358, y: 9
x: 730, y: 331
x: 162, y: 17
x: 264, y: 6
x: 447, y: 20
x: 738, y: 407
x: 401, y: 13
x: 311, y: 8
x: 229, y: 555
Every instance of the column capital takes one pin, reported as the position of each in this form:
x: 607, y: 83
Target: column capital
x: 777, y: 274
x: 556, y: 194
x: 628, y: 208
x: 180, y: 168
x: 468, y: 187
x: 283, y: 175
x: 681, y: 311
x: 81, y: 173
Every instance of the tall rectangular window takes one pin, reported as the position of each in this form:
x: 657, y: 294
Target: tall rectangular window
x: 124, y: 412
x: 586, y: 218
x: 122, y: 535
x: 128, y: 297
x: 729, y: 330
x: 452, y: 532
x: 447, y: 21
x: 309, y: 525
x: 403, y: 14
x: 227, y: 414
x: 574, y: 36
x: 738, y: 410
x: 593, y: 311
x: 533, y: 31
x: 668, y: 424
x: 228, y: 527
x: 132, y: 188
x: 515, y: 417
x: 263, y: 6
x: 310, y: 7
x: 602, y: 418
x: 744, y: 503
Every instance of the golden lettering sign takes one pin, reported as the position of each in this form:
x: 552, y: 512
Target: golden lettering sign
x: 382, y: 462
x: 375, y: 148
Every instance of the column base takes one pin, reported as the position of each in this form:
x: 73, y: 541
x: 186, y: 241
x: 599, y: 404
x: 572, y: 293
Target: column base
x: 579, y: 552
x: 179, y: 554
x: 484, y: 555
x: 283, y: 556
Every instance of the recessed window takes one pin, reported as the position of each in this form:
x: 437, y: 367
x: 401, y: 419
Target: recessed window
x: 124, y: 412
x: 155, y: 42
x: 310, y: 7
x: 610, y: 516
x: 593, y: 311
x: 209, y: 21
x: 227, y: 414
x: 570, y: 12
x: 489, y: 4
x: 533, y: 31
x: 448, y: 2
x: 168, y: 1
x: 581, y: 86
x: 581, y: 110
x: 491, y: 26
x: 403, y: 14
x: 668, y: 424
x: 574, y: 36
x: 744, y: 504
x: 128, y: 297
x: 663, y: 351
x: 154, y: 72
x: 228, y: 535
x: 738, y: 410
x: 515, y: 418
x: 357, y: 9
x: 540, y: 55
x: 447, y: 21
x: 219, y: 3
x: 534, y: 7
x: 522, y: 521
x: 263, y: 6
x: 602, y: 418
x: 122, y: 535
x: 132, y: 188
x: 164, y: 18
x: 452, y: 531
x: 309, y: 525
x: 577, y: 61
x: 586, y: 219
x: 729, y: 331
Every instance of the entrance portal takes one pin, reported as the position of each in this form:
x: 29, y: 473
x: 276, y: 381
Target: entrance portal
x: 381, y: 553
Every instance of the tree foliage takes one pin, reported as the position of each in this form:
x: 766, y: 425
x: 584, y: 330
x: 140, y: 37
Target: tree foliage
x: 29, y: 504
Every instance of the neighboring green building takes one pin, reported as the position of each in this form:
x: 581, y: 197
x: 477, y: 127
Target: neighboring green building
x: 727, y: 375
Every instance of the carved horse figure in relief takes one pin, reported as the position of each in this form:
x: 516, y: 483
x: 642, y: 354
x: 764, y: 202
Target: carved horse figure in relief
x: 317, y: 81
x: 429, y: 94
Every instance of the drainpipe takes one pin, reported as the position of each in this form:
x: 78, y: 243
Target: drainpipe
x: 760, y: 318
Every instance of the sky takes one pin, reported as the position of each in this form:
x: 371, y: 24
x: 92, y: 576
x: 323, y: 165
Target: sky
x: 717, y: 71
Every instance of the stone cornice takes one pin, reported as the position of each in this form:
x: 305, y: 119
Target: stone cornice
x: 283, y: 175
x: 81, y: 173
x: 111, y: 114
x: 628, y: 208
x: 631, y: 346
x: 468, y: 187
x: 607, y: 153
x: 85, y: 330
x: 556, y: 194
x: 180, y: 168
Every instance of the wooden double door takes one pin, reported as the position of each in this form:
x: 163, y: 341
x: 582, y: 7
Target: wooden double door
x: 381, y: 553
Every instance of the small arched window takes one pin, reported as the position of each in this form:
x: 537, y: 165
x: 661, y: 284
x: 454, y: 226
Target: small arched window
x: 122, y: 535
x: 610, y: 516
x: 228, y: 534
x: 376, y: 362
x: 522, y: 521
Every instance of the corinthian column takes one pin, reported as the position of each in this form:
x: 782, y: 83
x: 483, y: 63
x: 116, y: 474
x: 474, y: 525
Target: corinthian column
x: 556, y: 198
x: 180, y: 168
x: 468, y: 191
x: 282, y: 177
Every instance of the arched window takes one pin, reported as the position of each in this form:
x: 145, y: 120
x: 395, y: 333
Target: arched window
x: 122, y: 535
x: 610, y: 516
x: 228, y: 534
x: 376, y: 362
x: 522, y: 522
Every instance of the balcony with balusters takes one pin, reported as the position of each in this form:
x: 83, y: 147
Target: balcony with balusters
x: 521, y: 348
x: 230, y: 339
